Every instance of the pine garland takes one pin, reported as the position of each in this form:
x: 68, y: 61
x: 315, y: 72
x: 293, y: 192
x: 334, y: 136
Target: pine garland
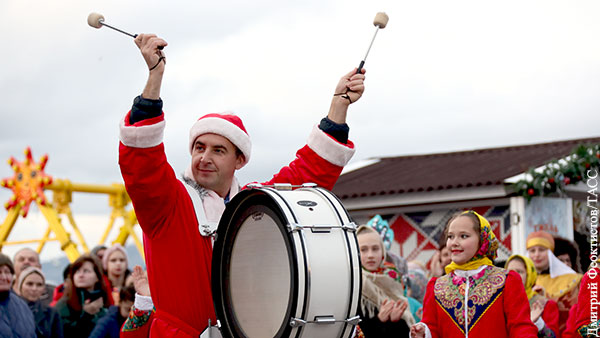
x: 558, y: 174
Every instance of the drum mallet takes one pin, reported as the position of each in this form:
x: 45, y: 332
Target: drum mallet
x: 380, y: 21
x: 96, y: 20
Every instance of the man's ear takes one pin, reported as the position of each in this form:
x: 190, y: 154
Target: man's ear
x: 240, y: 160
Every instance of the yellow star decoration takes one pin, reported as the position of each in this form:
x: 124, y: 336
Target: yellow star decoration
x: 28, y: 182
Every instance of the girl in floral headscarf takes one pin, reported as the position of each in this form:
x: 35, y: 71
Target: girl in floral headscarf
x: 544, y: 312
x: 474, y: 298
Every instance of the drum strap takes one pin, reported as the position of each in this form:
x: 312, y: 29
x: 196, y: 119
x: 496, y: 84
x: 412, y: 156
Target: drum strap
x: 205, y: 227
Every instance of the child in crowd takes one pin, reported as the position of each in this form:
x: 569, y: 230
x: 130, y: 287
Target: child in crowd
x: 110, y: 325
x: 383, y: 305
x: 544, y: 312
x: 474, y: 298
x: 115, y: 264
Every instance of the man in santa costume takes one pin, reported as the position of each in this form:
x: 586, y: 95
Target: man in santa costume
x: 172, y: 212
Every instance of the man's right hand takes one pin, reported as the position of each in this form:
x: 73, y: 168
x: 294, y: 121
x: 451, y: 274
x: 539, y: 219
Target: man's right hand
x: 148, y: 45
x: 155, y: 59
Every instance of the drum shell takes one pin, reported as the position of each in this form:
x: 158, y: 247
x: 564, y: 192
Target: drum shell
x: 324, y: 264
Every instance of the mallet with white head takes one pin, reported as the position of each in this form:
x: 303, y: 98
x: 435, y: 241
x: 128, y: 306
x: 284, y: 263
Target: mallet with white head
x: 380, y: 21
x: 96, y: 20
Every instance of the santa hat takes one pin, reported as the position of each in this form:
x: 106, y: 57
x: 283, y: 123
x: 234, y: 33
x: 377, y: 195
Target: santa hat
x: 227, y: 125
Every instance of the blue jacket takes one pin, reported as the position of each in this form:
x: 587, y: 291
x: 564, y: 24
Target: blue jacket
x: 16, y: 320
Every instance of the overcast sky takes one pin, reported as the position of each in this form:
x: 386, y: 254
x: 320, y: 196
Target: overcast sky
x: 442, y: 76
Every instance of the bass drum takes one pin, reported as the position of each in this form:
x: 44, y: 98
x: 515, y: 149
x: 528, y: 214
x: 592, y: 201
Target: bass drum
x: 286, y: 264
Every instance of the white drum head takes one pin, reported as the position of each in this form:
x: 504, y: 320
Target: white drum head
x: 259, y: 276
x: 254, y: 269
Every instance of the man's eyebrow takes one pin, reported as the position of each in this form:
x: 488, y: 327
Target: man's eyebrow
x: 218, y: 146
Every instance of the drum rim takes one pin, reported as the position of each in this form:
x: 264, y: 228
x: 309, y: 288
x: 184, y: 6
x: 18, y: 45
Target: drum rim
x: 240, y: 204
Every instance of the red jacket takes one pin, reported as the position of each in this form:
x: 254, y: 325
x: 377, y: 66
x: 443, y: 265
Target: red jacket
x: 178, y: 258
x: 580, y: 316
x: 501, y: 311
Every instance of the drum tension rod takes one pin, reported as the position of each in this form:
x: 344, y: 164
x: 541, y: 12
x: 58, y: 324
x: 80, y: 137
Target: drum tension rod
x: 325, y: 228
x: 296, y: 322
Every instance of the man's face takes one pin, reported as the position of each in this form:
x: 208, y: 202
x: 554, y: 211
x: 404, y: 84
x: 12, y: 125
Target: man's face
x: 26, y: 258
x: 214, y: 162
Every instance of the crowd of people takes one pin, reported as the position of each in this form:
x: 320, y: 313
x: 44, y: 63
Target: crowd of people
x: 94, y: 301
x: 466, y: 291
x: 398, y: 298
x: 463, y: 291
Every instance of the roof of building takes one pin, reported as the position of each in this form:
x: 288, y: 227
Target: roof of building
x: 462, y: 169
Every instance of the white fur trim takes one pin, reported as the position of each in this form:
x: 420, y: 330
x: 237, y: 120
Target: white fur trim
x: 219, y: 126
x: 540, y: 324
x: 142, y: 136
x: 143, y: 303
x: 328, y: 148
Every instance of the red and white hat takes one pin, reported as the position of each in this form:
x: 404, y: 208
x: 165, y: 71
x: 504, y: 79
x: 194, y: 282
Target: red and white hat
x: 227, y: 125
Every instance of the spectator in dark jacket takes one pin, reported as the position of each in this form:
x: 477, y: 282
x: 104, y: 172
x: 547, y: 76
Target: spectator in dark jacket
x: 109, y: 326
x: 31, y: 286
x: 85, y: 299
x: 59, y: 291
x: 16, y: 319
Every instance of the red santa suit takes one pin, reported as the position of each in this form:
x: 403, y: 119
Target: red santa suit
x: 497, y: 305
x: 178, y: 257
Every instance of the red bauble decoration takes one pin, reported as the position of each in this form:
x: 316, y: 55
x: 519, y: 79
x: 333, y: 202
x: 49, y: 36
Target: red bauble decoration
x: 567, y: 180
x: 530, y: 191
x: 551, y: 180
x: 587, y: 166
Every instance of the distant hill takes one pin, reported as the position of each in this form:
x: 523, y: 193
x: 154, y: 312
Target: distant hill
x: 53, y: 268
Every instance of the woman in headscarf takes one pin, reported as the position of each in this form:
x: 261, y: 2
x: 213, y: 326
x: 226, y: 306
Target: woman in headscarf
x: 474, y: 298
x: 544, y: 312
x: 16, y: 319
x: 383, y: 305
x: 30, y: 286
x: 559, y: 282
